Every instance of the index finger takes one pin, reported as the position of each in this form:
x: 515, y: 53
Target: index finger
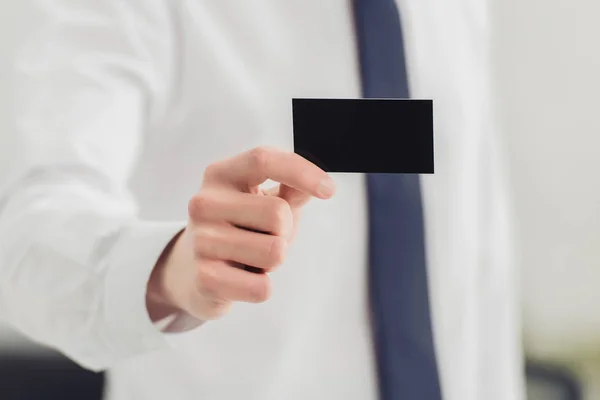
x: 251, y: 168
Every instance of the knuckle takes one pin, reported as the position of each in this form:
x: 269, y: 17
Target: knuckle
x: 212, y: 243
x: 211, y: 172
x: 277, y: 252
x: 261, y: 290
x: 199, y: 205
x: 259, y: 157
x: 204, y: 242
x: 279, y: 215
x: 208, y: 283
x: 216, y: 309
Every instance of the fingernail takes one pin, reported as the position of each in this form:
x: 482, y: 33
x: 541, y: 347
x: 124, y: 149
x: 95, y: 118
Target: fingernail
x: 326, y: 188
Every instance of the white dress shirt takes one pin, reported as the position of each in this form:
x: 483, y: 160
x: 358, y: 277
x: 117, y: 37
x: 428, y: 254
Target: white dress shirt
x: 119, y: 108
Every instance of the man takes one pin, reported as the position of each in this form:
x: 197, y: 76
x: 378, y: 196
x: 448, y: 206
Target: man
x: 135, y: 117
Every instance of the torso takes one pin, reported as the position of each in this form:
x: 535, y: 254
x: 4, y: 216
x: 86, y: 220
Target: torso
x: 240, y: 65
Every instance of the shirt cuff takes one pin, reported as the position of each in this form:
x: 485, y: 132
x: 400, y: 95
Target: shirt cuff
x: 130, y: 329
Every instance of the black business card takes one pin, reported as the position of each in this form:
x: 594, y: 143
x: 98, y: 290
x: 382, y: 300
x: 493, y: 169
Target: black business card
x: 365, y: 135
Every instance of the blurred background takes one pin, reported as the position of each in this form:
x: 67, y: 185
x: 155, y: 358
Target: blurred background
x: 546, y: 66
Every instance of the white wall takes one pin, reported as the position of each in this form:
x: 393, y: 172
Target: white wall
x: 548, y: 65
x: 547, y: 55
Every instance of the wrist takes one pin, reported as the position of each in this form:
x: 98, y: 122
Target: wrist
x: 159, y: 303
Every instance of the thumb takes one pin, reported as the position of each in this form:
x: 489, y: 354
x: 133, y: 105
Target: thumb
x: 295, y: 198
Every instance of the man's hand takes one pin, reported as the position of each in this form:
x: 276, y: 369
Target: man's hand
x: 236, y: 233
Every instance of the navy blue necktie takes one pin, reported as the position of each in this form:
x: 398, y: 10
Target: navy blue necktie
x: 398, y: 290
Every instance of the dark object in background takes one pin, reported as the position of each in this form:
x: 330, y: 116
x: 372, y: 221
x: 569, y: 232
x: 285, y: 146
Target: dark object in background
x: 51, y: 377
x: 546, y: 382
x: 365, y: 135
x: 33, y: 377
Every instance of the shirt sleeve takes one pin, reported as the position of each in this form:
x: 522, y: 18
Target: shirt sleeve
x: 90, y: 82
